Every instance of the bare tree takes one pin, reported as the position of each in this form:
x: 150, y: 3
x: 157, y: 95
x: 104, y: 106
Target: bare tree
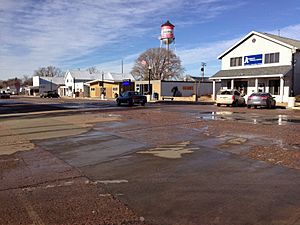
x: 27, y: 81
x: 164, y: 65
x: 92, y: 69
x: 49, y: 71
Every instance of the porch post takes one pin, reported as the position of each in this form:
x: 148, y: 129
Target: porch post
x: 214, y: 91
x: 256, y: 85
x: 281, y: 88
x: 232, y: 83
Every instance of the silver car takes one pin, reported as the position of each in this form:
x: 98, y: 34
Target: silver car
x: 261, y: 100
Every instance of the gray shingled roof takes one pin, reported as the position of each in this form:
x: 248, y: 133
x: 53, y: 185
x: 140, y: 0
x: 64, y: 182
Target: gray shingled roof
x: 119, y: 76
x: 289, y: 41
x: 259, y: 71
x: 85, y: 75
x: 55, y: 80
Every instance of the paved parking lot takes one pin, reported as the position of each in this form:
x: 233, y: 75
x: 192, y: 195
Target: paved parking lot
x: 159, y: 164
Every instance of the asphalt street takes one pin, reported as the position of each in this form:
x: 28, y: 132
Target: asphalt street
x: 160, y: 164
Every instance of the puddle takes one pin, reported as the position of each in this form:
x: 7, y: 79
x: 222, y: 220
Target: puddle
x: 171, y: 151
x: 248, y: 118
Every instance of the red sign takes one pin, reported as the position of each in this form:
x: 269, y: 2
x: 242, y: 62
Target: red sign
x: 188, y: 88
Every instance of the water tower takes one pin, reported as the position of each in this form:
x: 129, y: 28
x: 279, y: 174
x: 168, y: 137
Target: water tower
x: 167, y: 34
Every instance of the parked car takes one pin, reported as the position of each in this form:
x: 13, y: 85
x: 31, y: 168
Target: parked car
x: 50, y: 94
x: 262, y: 100
x: 131, y: 98
x: 230, y: 98
x: 4, y: 95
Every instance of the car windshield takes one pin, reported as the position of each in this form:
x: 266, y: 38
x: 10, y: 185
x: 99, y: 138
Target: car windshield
x: 261, y: 94
x: 226, y: 92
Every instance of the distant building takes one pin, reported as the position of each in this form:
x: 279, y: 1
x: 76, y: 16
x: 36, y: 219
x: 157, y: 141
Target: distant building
x: 111, y: 85
x: 261, y: 62
x: 75, y: 82
x: 164, y: 88
x: 44, y: 84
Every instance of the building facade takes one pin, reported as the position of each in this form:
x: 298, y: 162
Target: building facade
x: 261, y: 62
x: 75, y: 82
x: 44, y: 84
x: 111, y: 85
x: 163, y: 88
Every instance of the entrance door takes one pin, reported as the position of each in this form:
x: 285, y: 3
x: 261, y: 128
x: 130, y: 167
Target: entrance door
x: 261, y: 87
x: 242, y: 86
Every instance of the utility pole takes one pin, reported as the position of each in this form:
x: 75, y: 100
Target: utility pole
x: 74, y: 88
x: 149, y: 76
x: 203, y: 64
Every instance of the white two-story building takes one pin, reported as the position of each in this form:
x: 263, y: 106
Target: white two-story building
x: 75, y: 82
x: 261, y: 62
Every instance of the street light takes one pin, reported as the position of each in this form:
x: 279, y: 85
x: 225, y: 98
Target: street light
x: 149, y: 76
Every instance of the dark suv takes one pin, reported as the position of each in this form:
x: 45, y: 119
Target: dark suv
x: 50, y: 94
x: 131, y: 98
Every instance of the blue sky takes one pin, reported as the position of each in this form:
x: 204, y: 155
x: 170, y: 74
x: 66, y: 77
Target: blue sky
x: 80, y: 34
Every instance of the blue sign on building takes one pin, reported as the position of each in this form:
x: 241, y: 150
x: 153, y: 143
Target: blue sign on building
x: 253, y: 59
x: 126, y: 82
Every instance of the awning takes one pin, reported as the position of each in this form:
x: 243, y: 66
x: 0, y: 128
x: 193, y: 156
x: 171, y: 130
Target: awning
x: 260, y: 72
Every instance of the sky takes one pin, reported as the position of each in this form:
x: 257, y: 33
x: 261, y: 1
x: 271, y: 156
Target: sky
x: 72, y: 34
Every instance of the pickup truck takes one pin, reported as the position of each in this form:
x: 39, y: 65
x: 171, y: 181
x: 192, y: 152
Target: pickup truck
x: 131, y: 98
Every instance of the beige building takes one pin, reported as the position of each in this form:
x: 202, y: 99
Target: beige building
x: 111, y: 85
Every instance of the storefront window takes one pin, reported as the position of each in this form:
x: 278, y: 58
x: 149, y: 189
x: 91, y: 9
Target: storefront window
x: 274, y: 87
x: 272, y: 57
x: 228, y: 84
x: 237, y: 61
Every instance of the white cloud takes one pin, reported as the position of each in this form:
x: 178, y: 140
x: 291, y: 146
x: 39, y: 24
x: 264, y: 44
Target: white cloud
x: 69, y: 34
x: 292, y: 31
x: 116, y: 65
x: 206, y: 52
x: 35, y: 34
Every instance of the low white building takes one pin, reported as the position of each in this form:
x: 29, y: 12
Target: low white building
x: 164, y: 88
x: 45, y: 84
x: 261, y: 62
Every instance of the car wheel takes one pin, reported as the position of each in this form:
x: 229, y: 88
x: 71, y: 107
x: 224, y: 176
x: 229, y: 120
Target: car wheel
x: 130, y: 103
x: 143, y: 104
x: 249, y: 106
x: 273, y: 106
x: 118, y: 103
x: 255, y: 107
x: 218, y: 104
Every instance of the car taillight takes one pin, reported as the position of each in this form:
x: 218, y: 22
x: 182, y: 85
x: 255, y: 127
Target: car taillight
x: 233, y: 97
x: 250, y: 97
x: 264, y: 97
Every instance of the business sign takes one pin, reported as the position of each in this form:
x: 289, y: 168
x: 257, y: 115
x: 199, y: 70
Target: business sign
x: 126, y: 82
x: 253, y: 59
x: 188, y: 88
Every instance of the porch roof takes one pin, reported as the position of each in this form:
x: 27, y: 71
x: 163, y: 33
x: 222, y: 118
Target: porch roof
x: 272, y: 71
